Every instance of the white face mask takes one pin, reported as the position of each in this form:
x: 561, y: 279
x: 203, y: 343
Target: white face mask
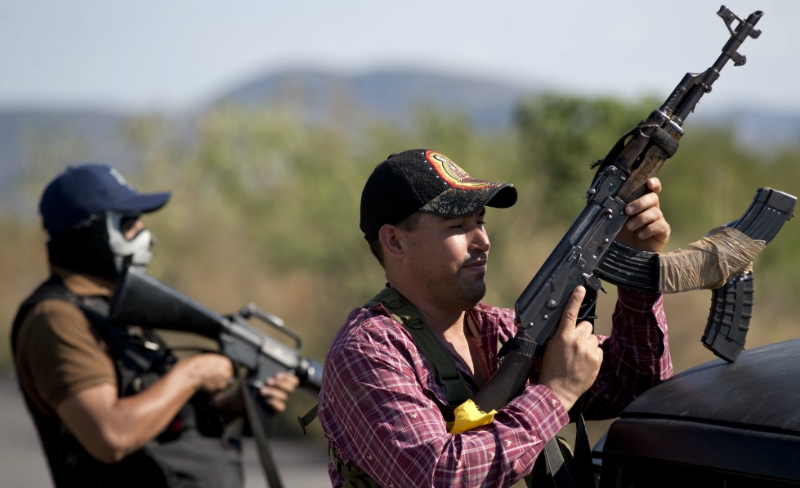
x: 138, y: 248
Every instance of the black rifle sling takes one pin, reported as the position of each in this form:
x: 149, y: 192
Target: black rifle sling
x: 556, y: 472
x: 456, y: 392
x: 445, y: 366
x: 582, y: 468
x: 555, y: 465
x: 55, y: 289
x: 446, y: 371
x: 447, y: 375
x: 309, y: 417
x: 258, y: 427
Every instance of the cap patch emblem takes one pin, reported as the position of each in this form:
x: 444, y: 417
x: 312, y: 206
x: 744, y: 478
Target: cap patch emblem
x: 453, y: 175
x: 122, y: 181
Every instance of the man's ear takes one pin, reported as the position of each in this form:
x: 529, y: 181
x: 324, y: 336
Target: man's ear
x: 391, y: 240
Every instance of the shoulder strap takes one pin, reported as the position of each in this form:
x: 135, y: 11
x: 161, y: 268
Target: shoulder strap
x: 450, y: 379
x: 446, y: 372
x: 258, y: 416
x: 54, y: 289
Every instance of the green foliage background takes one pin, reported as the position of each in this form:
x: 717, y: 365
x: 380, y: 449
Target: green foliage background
x: 265, y: 209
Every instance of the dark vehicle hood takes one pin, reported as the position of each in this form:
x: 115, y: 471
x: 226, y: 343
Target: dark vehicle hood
x: 761, y: 390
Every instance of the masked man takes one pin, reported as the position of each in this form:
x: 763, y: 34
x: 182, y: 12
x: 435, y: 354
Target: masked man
x: 112, y: 405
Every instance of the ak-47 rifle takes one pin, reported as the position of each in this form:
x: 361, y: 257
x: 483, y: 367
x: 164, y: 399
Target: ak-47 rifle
x: 621, y: 179
x: 139, y: 299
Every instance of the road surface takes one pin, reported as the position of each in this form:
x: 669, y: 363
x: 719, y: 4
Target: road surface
x: 302, y: 464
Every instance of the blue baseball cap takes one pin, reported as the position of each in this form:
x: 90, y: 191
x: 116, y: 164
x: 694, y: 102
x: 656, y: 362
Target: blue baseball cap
x: 81, y: 191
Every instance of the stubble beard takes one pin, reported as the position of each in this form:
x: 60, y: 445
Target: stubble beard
x: 472, y: 293
x: 459, y: 293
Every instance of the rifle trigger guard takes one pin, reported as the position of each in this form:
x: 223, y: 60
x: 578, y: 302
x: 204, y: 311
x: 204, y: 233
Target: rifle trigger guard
x: 592, y: 282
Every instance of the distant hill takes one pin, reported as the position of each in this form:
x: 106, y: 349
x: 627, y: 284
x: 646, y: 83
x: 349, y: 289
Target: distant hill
x: 316, y: 96
x: 390, y: 95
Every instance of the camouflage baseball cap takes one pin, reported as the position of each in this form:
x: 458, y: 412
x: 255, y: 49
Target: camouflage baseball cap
x: 422, y: 180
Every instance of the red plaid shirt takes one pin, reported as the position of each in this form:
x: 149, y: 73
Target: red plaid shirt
x: 376, y: 406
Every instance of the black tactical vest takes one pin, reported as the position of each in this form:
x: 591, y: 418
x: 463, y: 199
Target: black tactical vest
x: 192, y: 452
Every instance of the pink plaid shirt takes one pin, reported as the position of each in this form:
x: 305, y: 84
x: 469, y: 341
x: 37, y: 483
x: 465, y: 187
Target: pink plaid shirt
x: 376, y: 406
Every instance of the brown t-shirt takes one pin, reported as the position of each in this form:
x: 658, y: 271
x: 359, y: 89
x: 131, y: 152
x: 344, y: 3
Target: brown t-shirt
x: 58, y: 353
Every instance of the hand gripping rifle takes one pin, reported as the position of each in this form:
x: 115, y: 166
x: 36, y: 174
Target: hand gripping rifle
x: 620, y: 179
x: 140, y: 299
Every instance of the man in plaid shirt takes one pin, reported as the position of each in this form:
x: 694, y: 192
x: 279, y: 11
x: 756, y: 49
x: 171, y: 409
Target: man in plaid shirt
x: 380, y: 402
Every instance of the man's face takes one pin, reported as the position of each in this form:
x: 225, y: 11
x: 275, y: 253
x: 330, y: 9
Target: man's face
x: 447, y: 259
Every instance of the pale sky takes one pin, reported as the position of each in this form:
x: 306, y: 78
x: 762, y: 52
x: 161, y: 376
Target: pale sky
x: 173, y: 55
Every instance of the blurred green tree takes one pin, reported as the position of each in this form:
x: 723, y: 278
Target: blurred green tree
x: 561, y: 136
x: 265, y: 207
